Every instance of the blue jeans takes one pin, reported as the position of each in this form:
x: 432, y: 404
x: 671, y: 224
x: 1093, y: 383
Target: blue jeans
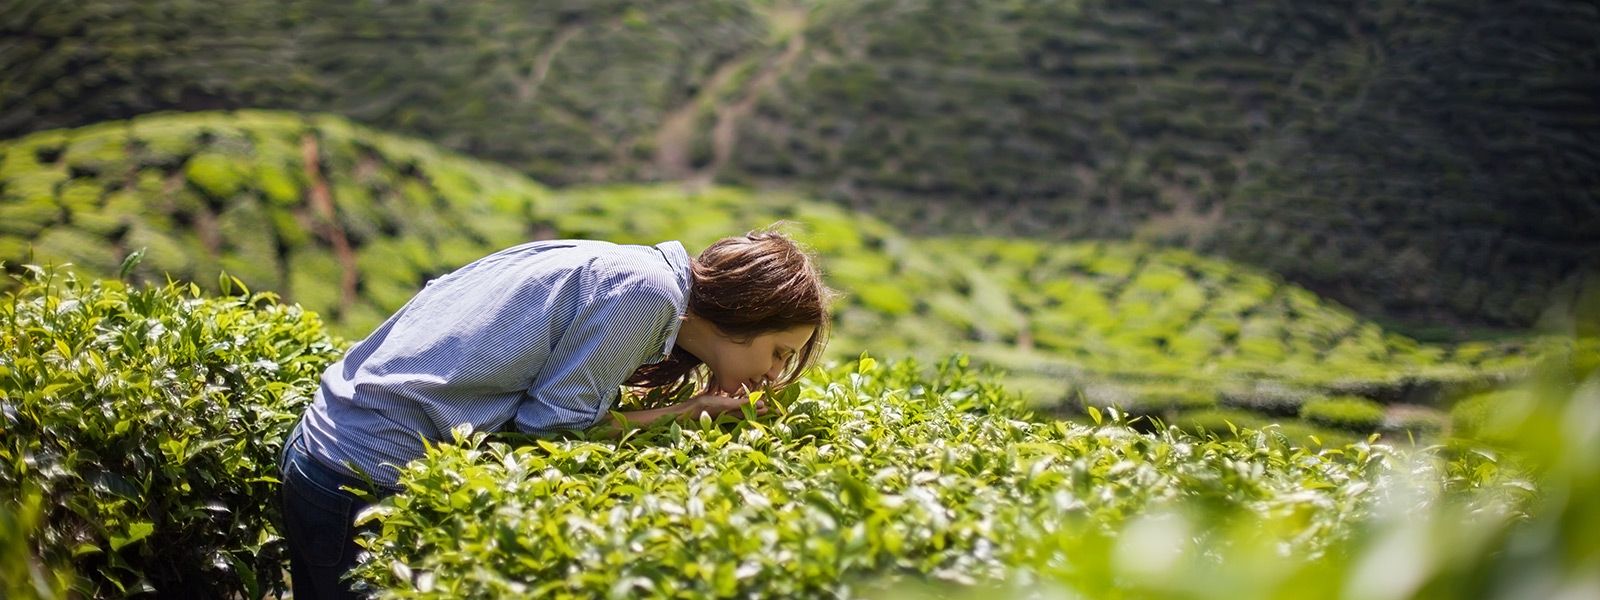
x: 319, y: 521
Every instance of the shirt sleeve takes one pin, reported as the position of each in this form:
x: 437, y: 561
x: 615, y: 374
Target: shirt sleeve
x: 607, y: 340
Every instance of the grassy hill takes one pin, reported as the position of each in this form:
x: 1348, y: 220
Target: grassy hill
x: 350, y: 222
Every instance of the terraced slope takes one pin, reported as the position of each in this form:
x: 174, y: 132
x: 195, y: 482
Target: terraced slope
x: 1425, y: 157
x: 346, y: 221
x: 350, y: 222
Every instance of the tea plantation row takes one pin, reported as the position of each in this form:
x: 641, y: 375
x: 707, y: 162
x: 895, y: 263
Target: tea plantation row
x: 141, y: 425
x: 350, y: 222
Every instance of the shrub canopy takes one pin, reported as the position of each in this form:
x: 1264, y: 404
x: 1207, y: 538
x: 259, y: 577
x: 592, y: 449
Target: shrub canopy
x: 148, y: 420
x: 873, y: 476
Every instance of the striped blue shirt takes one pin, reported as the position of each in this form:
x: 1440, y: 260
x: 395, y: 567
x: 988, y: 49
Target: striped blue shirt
x: 537, y: 336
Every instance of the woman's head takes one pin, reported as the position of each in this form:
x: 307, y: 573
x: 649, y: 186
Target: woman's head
x: 758, y: 312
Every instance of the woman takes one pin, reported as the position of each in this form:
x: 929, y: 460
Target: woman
x: 538, y: 338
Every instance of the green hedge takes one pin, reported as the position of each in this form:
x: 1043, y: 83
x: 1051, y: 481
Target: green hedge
x: 1272, y: 398
x: 1415, y: 422
x: 1485, y: 416
x: 1344, y: 412
x: 149, y: 419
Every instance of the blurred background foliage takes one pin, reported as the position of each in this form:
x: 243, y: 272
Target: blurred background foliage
x: 1422, y: 162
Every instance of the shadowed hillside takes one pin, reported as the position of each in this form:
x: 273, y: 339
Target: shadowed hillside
x: 1428, y: 161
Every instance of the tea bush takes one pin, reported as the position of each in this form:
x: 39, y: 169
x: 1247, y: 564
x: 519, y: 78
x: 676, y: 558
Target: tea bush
x: 1484, y: 416
x: 869, y: 475
x: 1218, y: 420
x: 1414, y: 422
x: 149, y: 419
x: 1345, y: 412
x: 1148, y: 400
x: 1270, y: 398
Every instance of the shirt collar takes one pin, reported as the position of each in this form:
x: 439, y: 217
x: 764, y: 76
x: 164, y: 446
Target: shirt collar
x: 679, y: 259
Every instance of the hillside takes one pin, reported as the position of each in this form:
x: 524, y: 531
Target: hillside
x: 349, y: 222
x: 1427, y: 161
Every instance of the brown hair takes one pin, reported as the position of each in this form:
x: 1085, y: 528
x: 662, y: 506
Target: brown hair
x: 748, y: 285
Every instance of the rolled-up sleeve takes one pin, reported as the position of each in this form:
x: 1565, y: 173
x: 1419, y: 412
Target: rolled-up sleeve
x: 608, y: 339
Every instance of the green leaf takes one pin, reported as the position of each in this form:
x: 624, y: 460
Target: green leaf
x: 129, y: 263
x: 137, y: 530
x: 85, y: 548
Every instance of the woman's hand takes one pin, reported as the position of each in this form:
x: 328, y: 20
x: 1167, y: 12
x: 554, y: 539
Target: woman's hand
x: 717, y: 405
x: 713, y: 405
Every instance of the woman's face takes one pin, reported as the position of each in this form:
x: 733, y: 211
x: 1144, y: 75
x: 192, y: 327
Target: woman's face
x: 755, y: 361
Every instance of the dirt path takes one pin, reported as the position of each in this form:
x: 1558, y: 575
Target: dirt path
x: 725, y: 135
x: 675, y: 139
x: 528, y: 88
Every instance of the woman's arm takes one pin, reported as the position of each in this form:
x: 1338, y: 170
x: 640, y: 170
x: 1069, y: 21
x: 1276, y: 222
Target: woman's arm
x: 713, y: 405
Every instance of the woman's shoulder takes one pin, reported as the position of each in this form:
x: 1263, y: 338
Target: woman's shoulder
x: 641, y: 268
x: 662, y: 269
